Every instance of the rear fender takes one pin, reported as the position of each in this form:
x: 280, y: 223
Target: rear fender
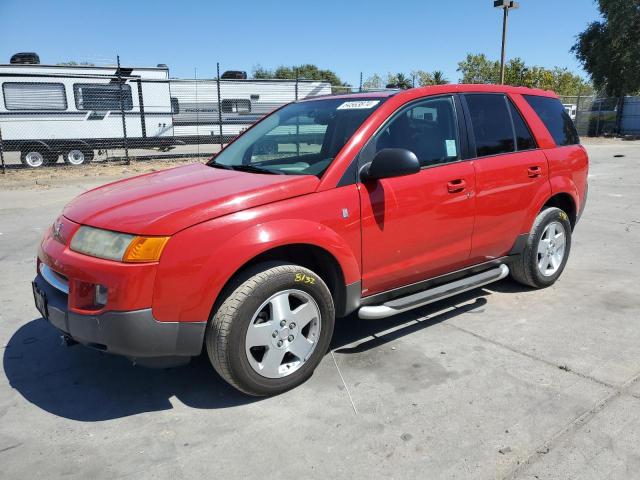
x: 555, y: 186
x: 537, y: 202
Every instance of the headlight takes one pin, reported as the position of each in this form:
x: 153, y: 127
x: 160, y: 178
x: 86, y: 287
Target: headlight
x: 121, y: 247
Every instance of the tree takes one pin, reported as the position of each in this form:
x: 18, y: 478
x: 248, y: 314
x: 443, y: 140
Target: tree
x: 477, y: 68
x: 439, y: 78
x: 421, y: 78
x: 262, y: 73
x: 610, y: 49
x: 399, y: 80
x: 373, y: 82
x: 306, y: 71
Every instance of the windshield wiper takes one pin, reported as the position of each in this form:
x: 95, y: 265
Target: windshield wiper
x: 255, y: 169
x: 245, y: 168
x: 214, y: 164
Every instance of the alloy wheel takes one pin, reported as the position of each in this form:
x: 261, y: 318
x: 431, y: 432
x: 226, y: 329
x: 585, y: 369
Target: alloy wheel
x: 283, y: 333
x: 551, y: 249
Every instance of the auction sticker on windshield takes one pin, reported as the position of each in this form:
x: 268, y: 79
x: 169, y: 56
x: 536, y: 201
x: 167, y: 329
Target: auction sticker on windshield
x: 358, y: 105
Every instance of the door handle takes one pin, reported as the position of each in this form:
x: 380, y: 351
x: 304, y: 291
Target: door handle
x: 534, y: 171
x: 455, y: 186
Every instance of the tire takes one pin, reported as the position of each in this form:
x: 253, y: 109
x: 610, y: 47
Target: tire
x: 34, y: 157
x: 78, y: 156
x: 246, y: 341
x: 543, y: 261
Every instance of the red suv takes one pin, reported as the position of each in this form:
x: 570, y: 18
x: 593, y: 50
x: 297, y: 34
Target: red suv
x: 373, y: 203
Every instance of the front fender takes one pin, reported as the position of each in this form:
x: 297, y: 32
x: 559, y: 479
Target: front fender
x: 199, y: 261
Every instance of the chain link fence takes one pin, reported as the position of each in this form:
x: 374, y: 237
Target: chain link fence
x: 79, y: 114
x: 604, y: 116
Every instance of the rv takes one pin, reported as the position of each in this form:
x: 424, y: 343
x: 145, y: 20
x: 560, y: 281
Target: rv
x: 196, y: 118
x: 571, y: 109
x: 48, y: 111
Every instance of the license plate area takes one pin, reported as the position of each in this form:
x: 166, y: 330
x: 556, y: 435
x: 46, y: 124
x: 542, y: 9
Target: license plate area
x: 40, y: 299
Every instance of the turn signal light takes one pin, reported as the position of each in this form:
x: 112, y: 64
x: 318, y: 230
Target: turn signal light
x: 144, y: 249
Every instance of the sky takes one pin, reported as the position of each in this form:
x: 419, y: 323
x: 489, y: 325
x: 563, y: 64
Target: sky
x: 346, y: 36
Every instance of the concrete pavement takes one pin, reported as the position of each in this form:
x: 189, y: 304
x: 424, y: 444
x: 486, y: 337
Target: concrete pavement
x: 501, y: 382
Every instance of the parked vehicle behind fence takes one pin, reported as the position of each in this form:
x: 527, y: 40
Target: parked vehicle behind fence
x: 72, y: 111
x: 372, y: 204
x: 243, y: 102
x: 53, y: 111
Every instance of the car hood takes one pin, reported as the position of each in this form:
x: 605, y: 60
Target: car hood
x: 165, y: 202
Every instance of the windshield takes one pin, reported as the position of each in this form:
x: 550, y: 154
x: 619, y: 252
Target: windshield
x: 299, y: 139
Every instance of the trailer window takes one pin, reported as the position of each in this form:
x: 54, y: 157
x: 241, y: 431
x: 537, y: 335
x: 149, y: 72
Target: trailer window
x: 92, y: 96
x: 175, y: 105
x: 34, y: 96
x: 233, y: 105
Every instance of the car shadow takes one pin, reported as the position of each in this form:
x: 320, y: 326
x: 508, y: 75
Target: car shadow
x: 84, y: 384
x: 87, y: 385
x: 360, y: 335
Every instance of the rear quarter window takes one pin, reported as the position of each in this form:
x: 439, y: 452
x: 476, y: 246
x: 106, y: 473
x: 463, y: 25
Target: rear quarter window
x: 555, y: 118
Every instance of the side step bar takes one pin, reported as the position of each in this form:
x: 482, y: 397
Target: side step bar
x: 399, y: 305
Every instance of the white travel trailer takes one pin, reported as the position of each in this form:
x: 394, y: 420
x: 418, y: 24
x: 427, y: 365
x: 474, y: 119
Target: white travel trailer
x: 243, y: 102
x: 571, y: 109
x: 51, y: 110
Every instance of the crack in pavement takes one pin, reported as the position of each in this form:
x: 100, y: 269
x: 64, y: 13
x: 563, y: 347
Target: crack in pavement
x: 571, y: 427
x: 533, y: 357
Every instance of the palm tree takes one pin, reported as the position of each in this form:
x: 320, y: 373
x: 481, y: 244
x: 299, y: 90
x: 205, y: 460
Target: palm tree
x: 438, y: 78
x: 402, y: 81
x: 399, y: 80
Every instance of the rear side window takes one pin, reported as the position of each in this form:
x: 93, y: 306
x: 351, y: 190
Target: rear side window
x: 555, y: 118
x: 34, y: 96
x: 491, y: 122
x: 524, y: 139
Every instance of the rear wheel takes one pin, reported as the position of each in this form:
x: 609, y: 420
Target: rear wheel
x: 272, y: 328
x: 34, y: 158
x: 78, y: 156
x: 547, y: 250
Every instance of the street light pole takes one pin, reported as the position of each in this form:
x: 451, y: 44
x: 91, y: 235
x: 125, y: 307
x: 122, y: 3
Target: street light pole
x: 506, y: 5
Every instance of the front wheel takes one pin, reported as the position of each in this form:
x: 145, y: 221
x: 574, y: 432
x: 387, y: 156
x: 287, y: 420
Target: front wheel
x: 547, y: 250
x: 272, y: 328
x: 34, y: 158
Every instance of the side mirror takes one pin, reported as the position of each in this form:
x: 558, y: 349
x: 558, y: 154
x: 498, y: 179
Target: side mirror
x: 391, y: 162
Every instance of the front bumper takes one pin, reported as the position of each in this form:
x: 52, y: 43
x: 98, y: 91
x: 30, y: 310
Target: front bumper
x: 135, y: 334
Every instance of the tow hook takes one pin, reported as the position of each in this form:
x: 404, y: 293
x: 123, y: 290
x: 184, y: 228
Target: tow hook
x: 67, y: 341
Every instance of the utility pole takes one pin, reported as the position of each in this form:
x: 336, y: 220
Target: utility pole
x: 505, y: 5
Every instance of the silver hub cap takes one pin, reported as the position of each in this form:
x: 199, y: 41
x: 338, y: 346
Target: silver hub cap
x: 75, y: 157
x: 551, y: 249
x: 34, y: 159
x: 283, y: 333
